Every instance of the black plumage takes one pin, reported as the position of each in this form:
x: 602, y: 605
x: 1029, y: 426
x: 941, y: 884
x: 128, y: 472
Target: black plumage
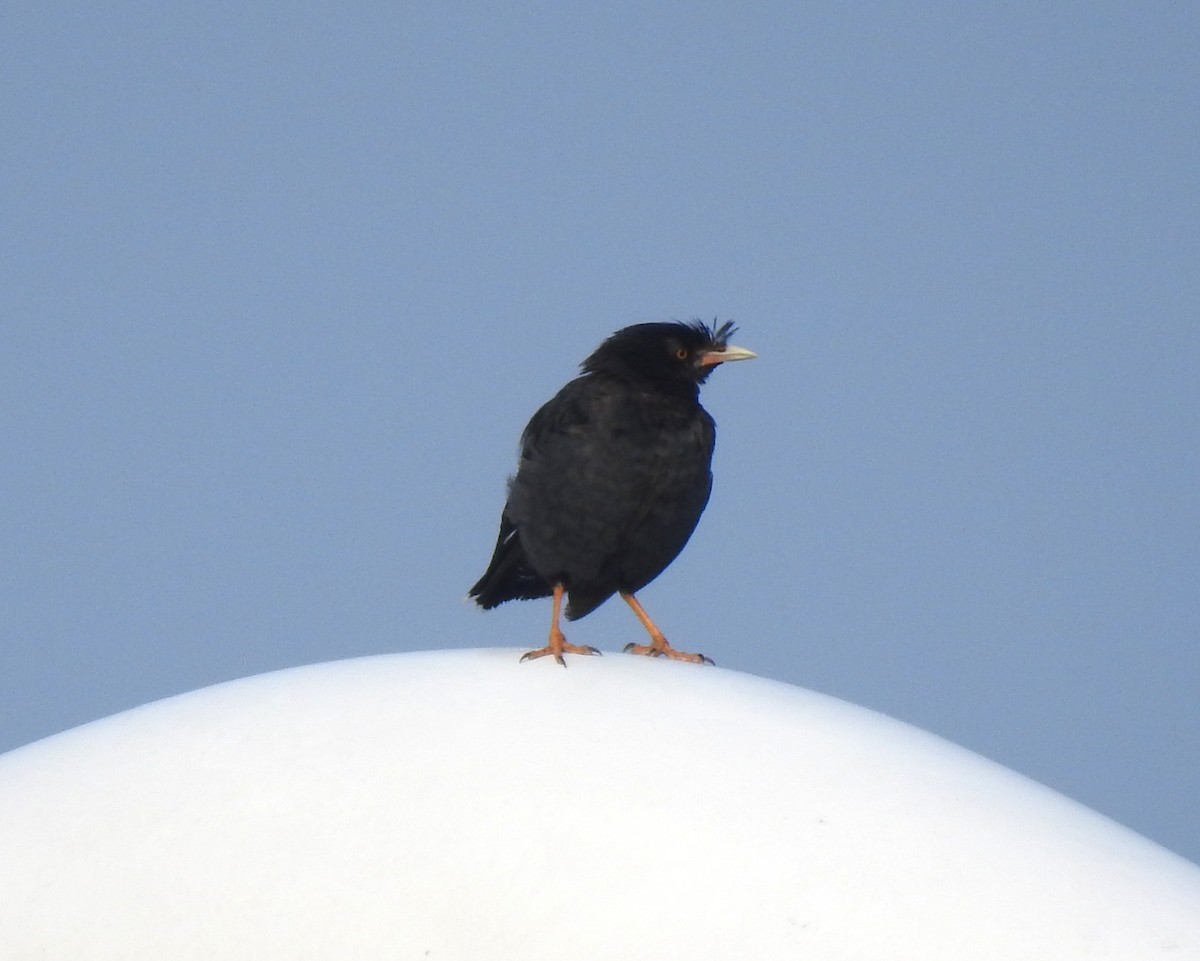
x: 614, y: 473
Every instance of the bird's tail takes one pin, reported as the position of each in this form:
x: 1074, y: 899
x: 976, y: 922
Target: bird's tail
x: 509, y: 576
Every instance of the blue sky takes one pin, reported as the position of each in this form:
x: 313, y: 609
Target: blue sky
x: 282, y: 288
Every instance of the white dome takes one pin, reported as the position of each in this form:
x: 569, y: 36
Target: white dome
x: 459, y: 805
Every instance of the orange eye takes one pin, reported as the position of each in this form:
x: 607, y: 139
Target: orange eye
x: 682, y: 353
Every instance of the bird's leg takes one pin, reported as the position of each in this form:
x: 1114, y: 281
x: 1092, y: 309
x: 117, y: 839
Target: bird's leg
x: 658, y: 646
x: 558, y: 642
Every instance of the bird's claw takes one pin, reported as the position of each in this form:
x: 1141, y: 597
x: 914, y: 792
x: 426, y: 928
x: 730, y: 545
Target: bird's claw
x: 558, y: 654
x: 664, y: 649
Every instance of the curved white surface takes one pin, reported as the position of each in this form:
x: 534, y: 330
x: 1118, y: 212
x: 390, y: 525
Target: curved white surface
x: 459, y: 805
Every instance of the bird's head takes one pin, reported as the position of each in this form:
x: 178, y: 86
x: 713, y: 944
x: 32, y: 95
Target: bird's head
x: 673, y: 353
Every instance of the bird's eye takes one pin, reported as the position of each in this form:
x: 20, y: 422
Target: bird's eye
x: 682, y: 353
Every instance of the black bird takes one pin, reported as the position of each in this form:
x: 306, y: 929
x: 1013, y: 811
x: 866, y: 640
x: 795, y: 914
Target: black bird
x: 614, y: 473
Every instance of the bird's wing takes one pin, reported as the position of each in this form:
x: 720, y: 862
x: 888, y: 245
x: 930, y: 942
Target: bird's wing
x: 565, y: 414
x: 608, y: 490
x: 566, y: 499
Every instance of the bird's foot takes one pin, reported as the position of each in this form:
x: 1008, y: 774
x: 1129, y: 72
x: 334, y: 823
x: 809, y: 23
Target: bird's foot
x: 658, y: 647
x: 557, y: 647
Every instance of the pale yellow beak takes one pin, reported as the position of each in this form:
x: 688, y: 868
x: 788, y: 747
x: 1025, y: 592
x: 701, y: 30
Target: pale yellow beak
x: 712, y: 357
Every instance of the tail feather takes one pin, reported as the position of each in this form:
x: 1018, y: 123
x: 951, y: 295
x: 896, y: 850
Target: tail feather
x: 509, y: 576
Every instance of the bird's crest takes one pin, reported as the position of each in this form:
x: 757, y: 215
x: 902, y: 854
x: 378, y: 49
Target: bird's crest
x: 719, y: 335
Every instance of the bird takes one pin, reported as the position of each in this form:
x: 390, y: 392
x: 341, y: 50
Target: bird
x: 613, y: 474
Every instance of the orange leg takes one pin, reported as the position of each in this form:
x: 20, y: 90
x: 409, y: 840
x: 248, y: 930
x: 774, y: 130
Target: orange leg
x: 658, y: 646
x: 558, y: 642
